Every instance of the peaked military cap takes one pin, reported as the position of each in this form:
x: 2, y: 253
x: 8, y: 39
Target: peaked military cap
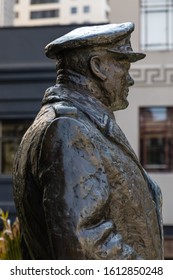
x: 115, y: 35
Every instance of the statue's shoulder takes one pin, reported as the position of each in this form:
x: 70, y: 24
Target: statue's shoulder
x: 68, y: 120
x: 66, y: 130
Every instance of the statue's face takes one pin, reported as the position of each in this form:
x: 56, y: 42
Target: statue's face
x: 117, y: 82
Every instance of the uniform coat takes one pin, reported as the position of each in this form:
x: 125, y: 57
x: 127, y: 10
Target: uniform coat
x: 79, y: 188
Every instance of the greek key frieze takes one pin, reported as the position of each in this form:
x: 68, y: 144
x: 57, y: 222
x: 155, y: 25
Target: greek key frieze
x: 146, y: 75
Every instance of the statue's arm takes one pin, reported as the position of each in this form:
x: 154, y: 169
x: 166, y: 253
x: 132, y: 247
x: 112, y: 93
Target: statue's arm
x: 73, y: 178
x: 156, y: 192
x: 157, y: 198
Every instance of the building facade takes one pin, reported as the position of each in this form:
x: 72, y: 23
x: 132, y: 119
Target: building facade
x: 48, y: 12
x: 6, y: 12
x: 148, y: 121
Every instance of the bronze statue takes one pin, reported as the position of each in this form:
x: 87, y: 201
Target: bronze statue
x: 79, y: 188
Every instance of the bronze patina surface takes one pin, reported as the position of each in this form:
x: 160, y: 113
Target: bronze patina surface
x: 80, y: 190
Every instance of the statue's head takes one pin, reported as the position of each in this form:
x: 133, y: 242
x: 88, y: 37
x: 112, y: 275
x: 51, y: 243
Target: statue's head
x: 103, y: 53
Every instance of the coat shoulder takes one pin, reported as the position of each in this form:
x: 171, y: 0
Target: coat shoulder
x: 65, y: 109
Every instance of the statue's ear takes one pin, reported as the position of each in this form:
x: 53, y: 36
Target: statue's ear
x: 97, y: 67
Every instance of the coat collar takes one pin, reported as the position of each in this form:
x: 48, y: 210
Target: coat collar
x: 97, y: 112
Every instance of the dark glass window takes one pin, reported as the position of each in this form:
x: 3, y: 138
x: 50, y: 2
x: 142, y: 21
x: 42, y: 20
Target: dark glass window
x: 11, y: 133
x: 44, y: 14
x: 156, y: 24
x: 44, y: 1
x: 107, y: 14
x: 156, y: 138
x: 73, y: 10
x: 16, y: 15
x: 86, y: 9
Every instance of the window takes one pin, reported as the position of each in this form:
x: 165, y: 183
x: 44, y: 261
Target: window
x: 16, y: 15
x: 44, y: 14
x: 11, y: 133
x: 44, y: 1
x: 156, y: 138
x: 107, y: 15
x: 86, y: 9
x: 156, y: 24
x: 73, y: 10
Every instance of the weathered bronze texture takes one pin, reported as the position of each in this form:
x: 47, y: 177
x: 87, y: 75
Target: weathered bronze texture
x: 79, y: 188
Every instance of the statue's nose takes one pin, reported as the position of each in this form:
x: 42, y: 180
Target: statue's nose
x: 130, y: 80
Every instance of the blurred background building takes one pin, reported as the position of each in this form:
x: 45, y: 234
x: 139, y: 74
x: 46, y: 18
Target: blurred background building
x: 25, y: 73
x: 6, y: 12
x: 41, y: 12
x: 148, y: 121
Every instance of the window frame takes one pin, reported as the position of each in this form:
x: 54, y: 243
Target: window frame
x: 45, y: 14
x: 150, y: 130
x: 147, y: 9
x: 7, y: 139
x: 38, y: 2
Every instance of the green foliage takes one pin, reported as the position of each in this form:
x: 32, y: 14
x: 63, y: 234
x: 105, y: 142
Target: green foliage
x: 9, y: 239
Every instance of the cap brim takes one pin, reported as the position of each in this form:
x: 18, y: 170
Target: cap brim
x: 131, y: 56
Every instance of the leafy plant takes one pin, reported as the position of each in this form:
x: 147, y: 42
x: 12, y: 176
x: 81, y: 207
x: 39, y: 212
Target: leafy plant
x: 9, y: 238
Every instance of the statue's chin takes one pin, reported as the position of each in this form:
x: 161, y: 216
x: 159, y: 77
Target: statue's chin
x: 117, y: 107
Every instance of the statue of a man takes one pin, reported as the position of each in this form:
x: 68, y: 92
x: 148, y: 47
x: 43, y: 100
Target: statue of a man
x: 79, y: 188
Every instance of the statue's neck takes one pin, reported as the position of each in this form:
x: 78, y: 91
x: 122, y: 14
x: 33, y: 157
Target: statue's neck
x: 81, y: 83
x: 73, y: 79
